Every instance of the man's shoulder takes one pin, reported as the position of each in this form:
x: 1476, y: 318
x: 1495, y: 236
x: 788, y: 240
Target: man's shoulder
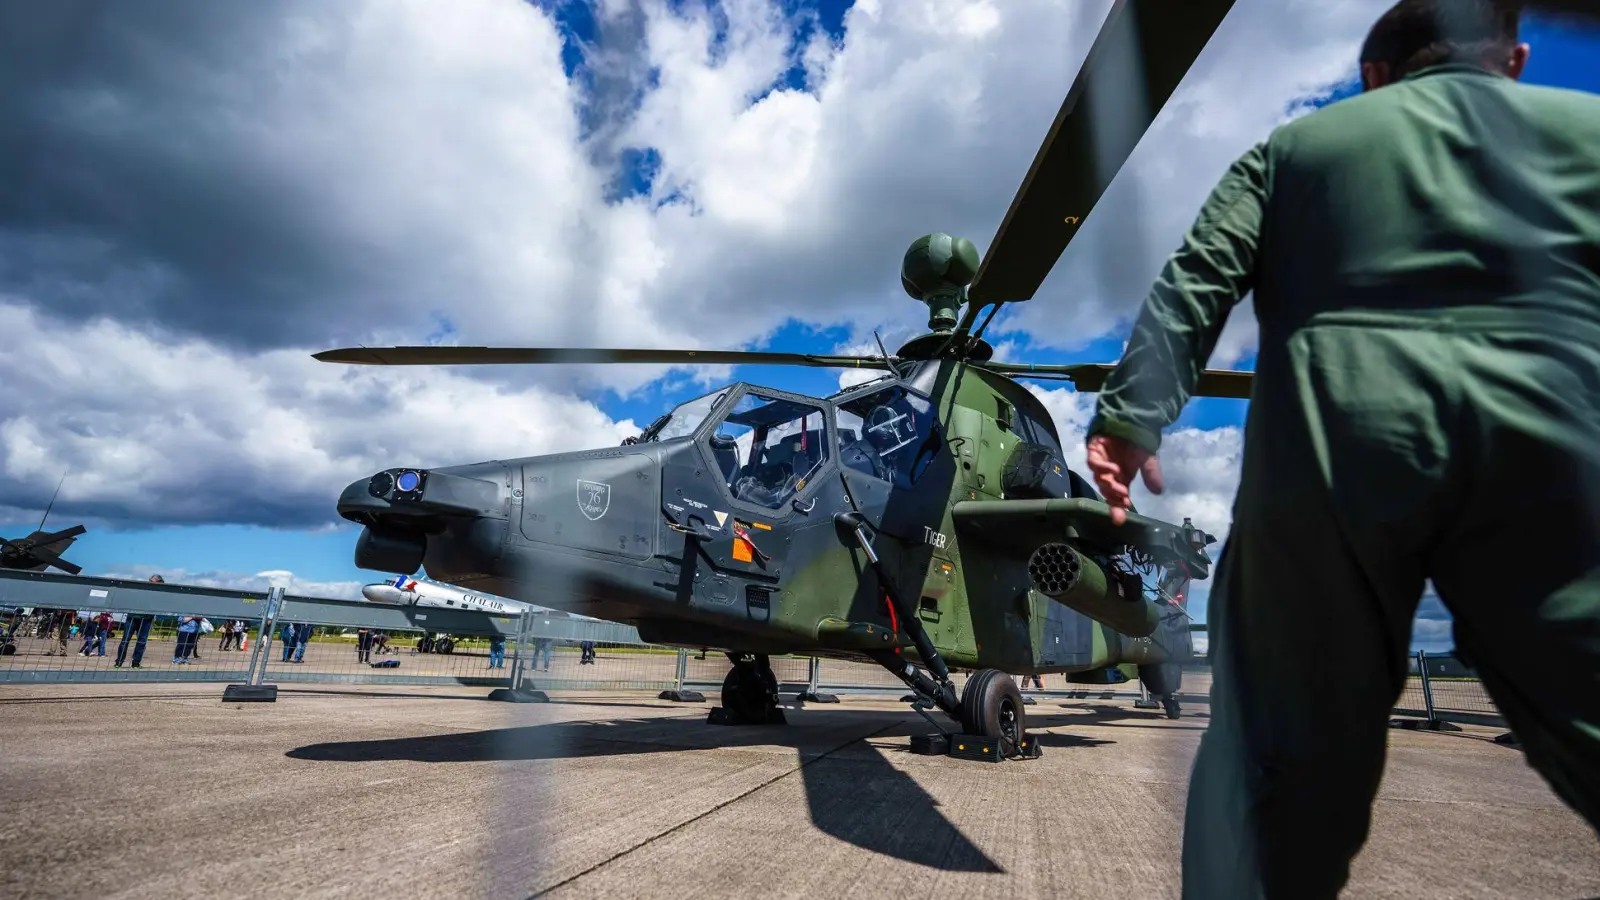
x: 1368, y: 116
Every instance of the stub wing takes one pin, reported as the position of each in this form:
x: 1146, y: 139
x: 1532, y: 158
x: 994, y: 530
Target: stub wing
x: 1021, y: 526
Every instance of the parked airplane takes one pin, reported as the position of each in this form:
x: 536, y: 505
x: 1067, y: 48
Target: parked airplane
x: 407, y: 591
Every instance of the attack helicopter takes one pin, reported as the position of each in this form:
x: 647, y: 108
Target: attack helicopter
x: 924, y: 520
x: 42, y: 549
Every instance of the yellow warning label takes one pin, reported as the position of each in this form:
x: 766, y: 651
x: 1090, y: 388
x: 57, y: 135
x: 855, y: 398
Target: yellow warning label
x: 741, y: 551
x: 762, y: 526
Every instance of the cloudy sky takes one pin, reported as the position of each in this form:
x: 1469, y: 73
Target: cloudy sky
x: 194, y: 197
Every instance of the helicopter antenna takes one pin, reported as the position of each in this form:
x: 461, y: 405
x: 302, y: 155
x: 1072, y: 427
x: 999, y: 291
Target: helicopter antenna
x: 885, y: 351
x: 52, y: 502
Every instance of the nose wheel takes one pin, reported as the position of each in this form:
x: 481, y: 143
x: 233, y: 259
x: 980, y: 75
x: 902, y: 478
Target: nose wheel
x: 991, y: 707
x: 749, y: 693
x: 1162, y: 681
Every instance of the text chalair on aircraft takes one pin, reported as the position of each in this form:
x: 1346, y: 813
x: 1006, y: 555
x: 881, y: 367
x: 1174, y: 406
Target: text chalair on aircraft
x: 923, y: 520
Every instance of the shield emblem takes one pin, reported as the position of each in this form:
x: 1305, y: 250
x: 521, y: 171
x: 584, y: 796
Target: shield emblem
x: 594, y: 498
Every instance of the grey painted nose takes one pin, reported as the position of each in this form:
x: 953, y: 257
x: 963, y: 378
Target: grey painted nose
x: 381, y: 593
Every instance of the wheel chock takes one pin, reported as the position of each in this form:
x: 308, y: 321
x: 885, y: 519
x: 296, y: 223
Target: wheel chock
x: 250, y: 693
x: 525, y: 695
x: 930, y: 744
x: 811, y: 697
x: 1142, y: 703
x: 1423, y: 725
x: 682, y: 696
x: 977, y: 748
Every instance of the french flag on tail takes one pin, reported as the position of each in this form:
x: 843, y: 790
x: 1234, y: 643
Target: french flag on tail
x: 405, y: 583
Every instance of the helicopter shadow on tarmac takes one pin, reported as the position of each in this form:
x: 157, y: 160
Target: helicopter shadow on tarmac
x: 853, y: 792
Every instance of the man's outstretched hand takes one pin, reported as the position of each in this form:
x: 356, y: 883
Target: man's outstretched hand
x: 1114, y: 462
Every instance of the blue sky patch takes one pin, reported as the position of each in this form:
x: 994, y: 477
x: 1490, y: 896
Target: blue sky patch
x: 637, y: 175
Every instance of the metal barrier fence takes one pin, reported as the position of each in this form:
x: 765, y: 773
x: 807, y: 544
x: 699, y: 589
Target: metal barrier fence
x: 158, y: 632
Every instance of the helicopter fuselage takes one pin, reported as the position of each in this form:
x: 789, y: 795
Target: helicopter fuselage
x: 732, y: 526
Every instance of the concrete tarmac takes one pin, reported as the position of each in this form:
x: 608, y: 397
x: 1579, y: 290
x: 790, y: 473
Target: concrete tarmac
x: 161, y: 790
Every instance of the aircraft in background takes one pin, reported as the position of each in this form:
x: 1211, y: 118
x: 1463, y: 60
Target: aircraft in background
x: 404, y: 590
x: 42, y: 549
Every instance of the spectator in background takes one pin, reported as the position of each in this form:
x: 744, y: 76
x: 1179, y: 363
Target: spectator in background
x: 91, y: 627
x: 364, y: 645
x: 302, y: 638
x: 588, y: 653
x: 287, y: 634
x: 541, y: 653
x: 497, y: 652
x: 134, y: 623
x: 95, y: 632
x: 63, y: 632
x: 140, y: 623
x: 188, y: 634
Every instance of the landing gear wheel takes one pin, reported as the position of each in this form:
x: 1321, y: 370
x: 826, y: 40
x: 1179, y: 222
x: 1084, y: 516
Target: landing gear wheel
x: 991, y: 707
x: 445, y: 645
x: 749, y: 694
x: 1162, y: 679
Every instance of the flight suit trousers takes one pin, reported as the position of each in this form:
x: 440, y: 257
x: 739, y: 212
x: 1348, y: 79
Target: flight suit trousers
x: 1383, y: 451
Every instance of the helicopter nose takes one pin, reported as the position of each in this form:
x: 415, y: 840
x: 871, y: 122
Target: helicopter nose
x: 419, y: 494
x: 403, y: 507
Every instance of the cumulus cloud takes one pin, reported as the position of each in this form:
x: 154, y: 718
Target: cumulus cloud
x: 182, y: 431
x: 200, y: 194
x: 242, y: 581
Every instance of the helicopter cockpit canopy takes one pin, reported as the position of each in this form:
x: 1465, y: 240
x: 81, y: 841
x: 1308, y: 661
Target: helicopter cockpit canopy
x: 686, y: 417
x: 768, y: 446
x: 885, y: 433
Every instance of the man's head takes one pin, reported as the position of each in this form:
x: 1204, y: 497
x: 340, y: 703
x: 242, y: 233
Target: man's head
x: 157, y: 579
x: 1415, y: 34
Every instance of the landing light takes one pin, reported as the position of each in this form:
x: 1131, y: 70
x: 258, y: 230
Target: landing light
x: 408, y: 481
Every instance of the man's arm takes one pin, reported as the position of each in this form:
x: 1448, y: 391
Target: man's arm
x: 1186, y: 309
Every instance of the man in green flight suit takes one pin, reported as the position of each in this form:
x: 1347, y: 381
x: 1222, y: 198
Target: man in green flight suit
x: 1425, y: 261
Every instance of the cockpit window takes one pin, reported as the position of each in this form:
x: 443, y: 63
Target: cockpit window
x: 684, y: 419
x: 769, y: 448
x: 886, y: 434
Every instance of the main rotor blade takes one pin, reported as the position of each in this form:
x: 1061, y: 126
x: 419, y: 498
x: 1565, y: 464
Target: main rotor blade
x: 40, y: 537
x: 1142, y: 52
x: 1091, y: 377
x: 502, y: 356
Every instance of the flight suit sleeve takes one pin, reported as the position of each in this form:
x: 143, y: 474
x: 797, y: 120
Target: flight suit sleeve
x: 1186, y: 309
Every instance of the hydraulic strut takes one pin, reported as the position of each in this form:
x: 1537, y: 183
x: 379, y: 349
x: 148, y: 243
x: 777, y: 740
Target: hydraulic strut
x: 938, y: 688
